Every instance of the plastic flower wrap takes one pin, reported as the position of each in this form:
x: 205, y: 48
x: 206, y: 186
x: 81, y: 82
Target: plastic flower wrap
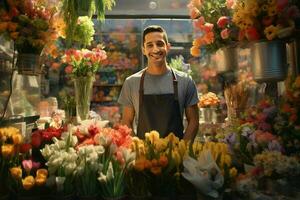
x: 10, y: 143
x: 264, y: 19
x: 209, y: 99
x: 61, y: 158
x: 212, y: 23
x: 29, y: 23
x: 209, y: 168
x: 84, y: 62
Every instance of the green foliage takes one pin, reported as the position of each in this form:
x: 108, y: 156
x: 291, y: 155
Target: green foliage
x: 178, y: 63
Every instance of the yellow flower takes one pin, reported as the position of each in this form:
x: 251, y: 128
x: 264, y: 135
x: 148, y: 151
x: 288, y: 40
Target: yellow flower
x: 271, y: 32
x: 17, y: 138
x: 42, y: 173
x: 195, y: 51
x: 272, y: 11
x: 182, y: 147
x: 152, y: 136
x: 265, y: 7
x: 172, y: 138
x: 28, y: 182
x: 272, y: 2
x: 39, y: 181
x: 161, y: 144
x: 16, y: 172
x: 177, y: 158
x: 7, y: 150
x: 297, y: 82
x: 233, y: 172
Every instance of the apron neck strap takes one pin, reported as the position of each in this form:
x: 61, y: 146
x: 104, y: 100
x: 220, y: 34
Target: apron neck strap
x: 141, y: 90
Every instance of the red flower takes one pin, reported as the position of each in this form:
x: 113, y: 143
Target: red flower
x: 36, y: 139
x: 252, y: 34
x: 223, y: 21
x: 24, y: 148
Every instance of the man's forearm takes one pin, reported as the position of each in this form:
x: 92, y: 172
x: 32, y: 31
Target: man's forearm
x: 191, y: 130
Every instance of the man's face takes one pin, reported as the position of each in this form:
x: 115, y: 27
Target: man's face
x: 155, y: 47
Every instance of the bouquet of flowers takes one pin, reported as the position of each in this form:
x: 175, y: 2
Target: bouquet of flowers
x: 29, y: 23
x: 61, y: 158
x: 209, y: 99
x: 212, y: 25
x: 116, y: 160
x: 84, y: 62
x: 10, y: 142
x: 209, y: 167
x: 264, y: 19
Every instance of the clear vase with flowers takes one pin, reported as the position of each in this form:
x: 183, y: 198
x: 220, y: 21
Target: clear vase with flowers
x: 82, y: 66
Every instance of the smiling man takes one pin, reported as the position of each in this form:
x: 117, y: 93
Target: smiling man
x: 156, y: 97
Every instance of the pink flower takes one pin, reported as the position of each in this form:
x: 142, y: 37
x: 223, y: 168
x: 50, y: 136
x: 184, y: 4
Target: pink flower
x: 229, y: 3
x: 225, y: 33
x: 27, y: 165
x: 264, y: 137
x: 194, y: 13
x: 197, y: 24
x: 69, y: 69
x: 208, y: 27
x: 223, y: 21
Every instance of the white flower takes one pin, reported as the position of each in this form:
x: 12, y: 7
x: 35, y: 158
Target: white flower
x: 102, y: 178
x: 60, y: 183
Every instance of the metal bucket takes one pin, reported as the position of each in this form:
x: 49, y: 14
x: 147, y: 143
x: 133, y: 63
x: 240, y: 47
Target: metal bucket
x: 269, y: 60
x: 28, y: 64
x: 226, y: 59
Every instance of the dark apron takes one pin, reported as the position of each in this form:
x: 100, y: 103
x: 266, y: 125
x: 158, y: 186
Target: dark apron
x: 160, y: 112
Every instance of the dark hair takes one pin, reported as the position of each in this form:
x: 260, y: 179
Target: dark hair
x: 155, y: 28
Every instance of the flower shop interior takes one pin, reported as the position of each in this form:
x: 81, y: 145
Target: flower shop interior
x: 62, y: 68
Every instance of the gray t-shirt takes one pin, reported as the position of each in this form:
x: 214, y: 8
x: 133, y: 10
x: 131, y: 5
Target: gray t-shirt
x: 158, y: 84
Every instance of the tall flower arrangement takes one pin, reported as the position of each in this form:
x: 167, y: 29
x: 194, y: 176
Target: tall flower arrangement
x: 29, y: 23
x: 212, y: 24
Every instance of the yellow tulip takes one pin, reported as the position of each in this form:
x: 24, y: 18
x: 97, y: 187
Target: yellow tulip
x: 16, y: 172
x: 28, y: 182
x: 17, y: 138
x: 7, y: 150
x: 40, y: 180
x: 182, y: 147
x: 233, y: 172
x: 41, y: 173
x: 177, y: 158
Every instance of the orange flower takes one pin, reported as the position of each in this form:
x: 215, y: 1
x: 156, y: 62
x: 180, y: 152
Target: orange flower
x: 28, y: 182
x: 3, y: 26
x: 155, y: 170
x: 14, y: 35
x: 163, y: 161
x: 139, y: 164
x: 195, y: 51
x: 297, y: 82
x: 42, y: 173
x: 16, y: 172
x: 7, y: 150
x: 39, y: 181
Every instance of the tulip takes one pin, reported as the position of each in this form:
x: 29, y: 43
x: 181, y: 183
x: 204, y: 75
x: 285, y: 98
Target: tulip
x: 28, y: 182
x: 16, y: 172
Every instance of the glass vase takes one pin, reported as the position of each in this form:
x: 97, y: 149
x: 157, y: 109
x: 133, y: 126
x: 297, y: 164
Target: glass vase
x: 83, y: 89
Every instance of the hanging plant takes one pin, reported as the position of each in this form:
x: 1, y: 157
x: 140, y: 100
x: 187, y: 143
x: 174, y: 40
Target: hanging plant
x: 72, y: 9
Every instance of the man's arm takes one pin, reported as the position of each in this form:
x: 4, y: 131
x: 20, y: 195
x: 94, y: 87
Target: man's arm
x: 128, y: 116
x: 192, y: 116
